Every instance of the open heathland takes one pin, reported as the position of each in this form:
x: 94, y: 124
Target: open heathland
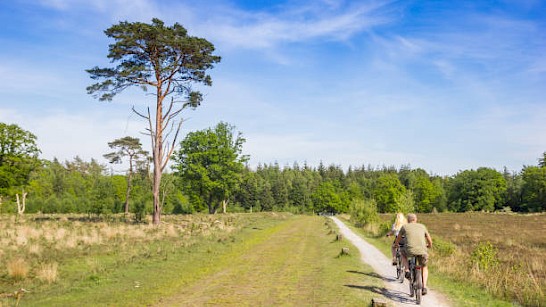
x: 243, y: 259
x: 501, y: 252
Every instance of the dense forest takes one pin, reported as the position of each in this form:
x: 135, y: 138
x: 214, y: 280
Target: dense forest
x: 210, y: 174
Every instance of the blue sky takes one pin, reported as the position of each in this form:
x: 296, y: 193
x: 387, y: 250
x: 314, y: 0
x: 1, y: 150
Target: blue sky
x: 440, y: 85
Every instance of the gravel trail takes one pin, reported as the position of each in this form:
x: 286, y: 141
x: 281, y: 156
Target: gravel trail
x: 394, y: 291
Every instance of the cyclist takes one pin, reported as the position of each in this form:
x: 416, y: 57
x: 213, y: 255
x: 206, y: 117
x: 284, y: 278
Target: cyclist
x: 395, y: 229
x: 417, y: 241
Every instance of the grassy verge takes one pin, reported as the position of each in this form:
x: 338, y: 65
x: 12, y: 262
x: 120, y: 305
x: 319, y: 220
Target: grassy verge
x: 295, y: 263
x: 113, y: 263
x: 247, y: 259
x: 459, y: 292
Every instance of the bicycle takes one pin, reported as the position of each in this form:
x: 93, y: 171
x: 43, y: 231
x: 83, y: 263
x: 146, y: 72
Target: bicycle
x: 399, y: 265
x: 416, y: 278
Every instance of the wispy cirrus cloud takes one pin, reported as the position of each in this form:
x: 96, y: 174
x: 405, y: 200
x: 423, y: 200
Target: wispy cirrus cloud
x: 488, y: 43
x: 237, y: 28
x: 116, y: 9
x: 240, y: 29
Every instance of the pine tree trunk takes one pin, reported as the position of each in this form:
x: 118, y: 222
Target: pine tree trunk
x: 157, y: 209
x: 156, y: 189
x: 158, y: 154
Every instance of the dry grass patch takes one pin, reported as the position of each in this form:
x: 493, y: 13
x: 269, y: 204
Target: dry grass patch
x: 47, y: 272
x: 60, y: 234
x: 93, y: 265
x: 35, y: 250
x: 70, y: 242
x: 18, y: 268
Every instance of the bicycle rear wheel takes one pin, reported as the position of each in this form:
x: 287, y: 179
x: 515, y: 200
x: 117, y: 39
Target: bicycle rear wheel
x: 418, y: 286
x: 411, y: 262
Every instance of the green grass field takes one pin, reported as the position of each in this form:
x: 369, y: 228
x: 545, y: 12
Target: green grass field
x: 245, y: 259
x: 265, y: 259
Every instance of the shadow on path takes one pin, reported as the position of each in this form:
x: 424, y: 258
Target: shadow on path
x: 375, y: 275
x: 394, y: 295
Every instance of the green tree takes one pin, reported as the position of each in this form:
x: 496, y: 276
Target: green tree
x: 266, y: 201
x: 440, y: 201
x: 364, y: 212
x: 534, y: 189
x: 354, y: 191
x: 326, y: 199
x: 514, y: 187
x: 424, y: 191
x: 126, y: 147
x: 280, y: 192
x: 247, y: 196
x: 300, y: 193
x: 405, y: 202
x: 474, y: 190
x: 75, y: 186
x: 387, y: 190
x: 119, y: 186
x: 334, y: 173
x: 18, y: 158
x: 211, y: 164
x: 167, y: 60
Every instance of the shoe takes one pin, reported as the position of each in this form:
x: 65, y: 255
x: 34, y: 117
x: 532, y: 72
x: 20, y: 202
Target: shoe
x: 424, y: 291
x: 408, y: 275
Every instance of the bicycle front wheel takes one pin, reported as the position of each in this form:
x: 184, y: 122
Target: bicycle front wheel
x: 399, y: 269
x: 411, y: 286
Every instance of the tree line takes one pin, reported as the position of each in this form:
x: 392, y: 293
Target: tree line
x: 210, y: 174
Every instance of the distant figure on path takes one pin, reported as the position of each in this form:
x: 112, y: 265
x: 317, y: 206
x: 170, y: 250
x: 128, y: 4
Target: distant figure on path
x: 395, y: 229
x: 417, y: 241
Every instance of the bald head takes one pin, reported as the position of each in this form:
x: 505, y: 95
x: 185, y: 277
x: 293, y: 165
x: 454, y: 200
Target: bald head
x: 412, y: 218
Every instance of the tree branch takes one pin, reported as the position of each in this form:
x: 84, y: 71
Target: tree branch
x: 140, y: 114
x: 173, y: 146
x: 151, y: 129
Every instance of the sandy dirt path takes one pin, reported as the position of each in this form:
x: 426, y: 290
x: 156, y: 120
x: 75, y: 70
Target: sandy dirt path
x: 394, y: 291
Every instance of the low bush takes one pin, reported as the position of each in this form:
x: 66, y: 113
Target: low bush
x: 484, y: 256
x: 364, y: 213
x: 443, y: 248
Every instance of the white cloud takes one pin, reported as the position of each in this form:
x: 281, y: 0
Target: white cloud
x: 312, y: 149
x: 231, y: 28
x: 64, y: 136
x: 117, y: 9
x: 262, y: 31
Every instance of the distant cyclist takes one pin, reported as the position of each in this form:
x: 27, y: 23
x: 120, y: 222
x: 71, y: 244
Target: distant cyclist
x: 417, y: 241
x: 395, y: 229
